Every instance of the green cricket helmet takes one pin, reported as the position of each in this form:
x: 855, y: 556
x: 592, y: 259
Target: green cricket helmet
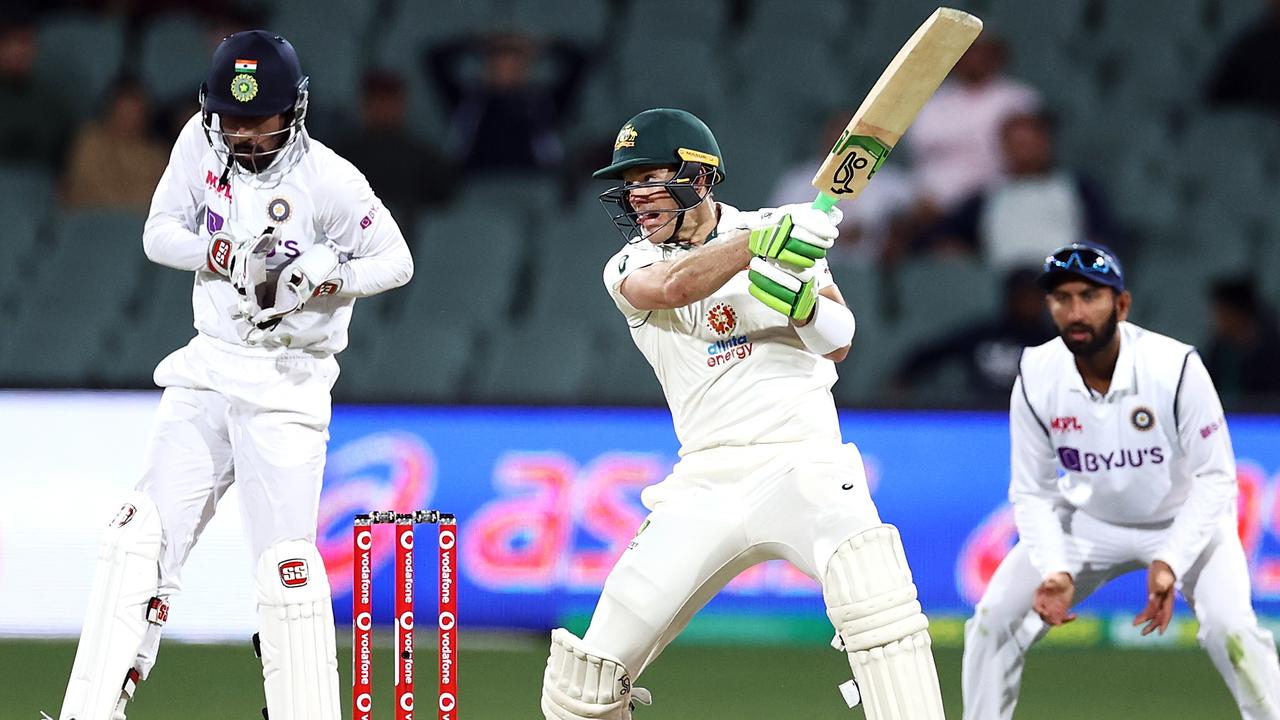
x: 662, y: 137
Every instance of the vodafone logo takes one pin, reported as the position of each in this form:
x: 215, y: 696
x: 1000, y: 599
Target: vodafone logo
x: 406, y: 620
x: 126, y: 513
x: 364, y: 702
x: 293, y: 573
x: 406, y: 541
x: 406, y: 703
x: 447, y: 620
x: 364, y: 621
x: 447, y: 702
x: 447, y: 539
x: 364, y: 540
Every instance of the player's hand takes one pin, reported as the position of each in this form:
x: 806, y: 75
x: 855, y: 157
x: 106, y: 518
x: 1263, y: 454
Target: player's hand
x: 1159, y: 609
x: 795, y: 234
x: 792, y: 293
x: 249, y: 270
x: 1053, y: 599
x: 297, y: 282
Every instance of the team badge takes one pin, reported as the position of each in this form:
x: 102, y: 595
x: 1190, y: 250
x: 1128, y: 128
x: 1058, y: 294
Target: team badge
x: 626, y: 137
x: 722, y: 319
x: 279, y: 210
x: 1142, y: 418
x: 244, y: 87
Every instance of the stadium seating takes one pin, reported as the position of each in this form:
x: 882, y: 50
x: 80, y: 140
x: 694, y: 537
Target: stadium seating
x: 174, y: 57
x: 78, y: 57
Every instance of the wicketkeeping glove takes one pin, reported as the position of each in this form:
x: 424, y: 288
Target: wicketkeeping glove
x: 791, y: 293
x: 795, y: 234
x: 296, y: 284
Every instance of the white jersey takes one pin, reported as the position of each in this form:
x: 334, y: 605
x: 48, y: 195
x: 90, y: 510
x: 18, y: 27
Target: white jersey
x: 1153, y: 450
x: 734, y: 371
x: 310, y: 196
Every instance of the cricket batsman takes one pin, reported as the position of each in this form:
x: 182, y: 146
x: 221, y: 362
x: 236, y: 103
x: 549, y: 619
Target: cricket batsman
x: 1121, y: 459
x: 742, y: 323
x: 281, y: 236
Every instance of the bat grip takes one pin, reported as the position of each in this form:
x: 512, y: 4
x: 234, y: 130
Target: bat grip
x: 824, y: 202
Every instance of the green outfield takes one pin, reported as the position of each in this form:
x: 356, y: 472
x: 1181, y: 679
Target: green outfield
x: 691, y: 682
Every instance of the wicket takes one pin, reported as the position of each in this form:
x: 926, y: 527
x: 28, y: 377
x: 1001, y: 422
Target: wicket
x: 362, y: 612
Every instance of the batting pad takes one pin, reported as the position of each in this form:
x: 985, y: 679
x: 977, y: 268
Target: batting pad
x: 295, y: 630
x: 120, y: 614
x: 871, y: 601
x: 584, y: 684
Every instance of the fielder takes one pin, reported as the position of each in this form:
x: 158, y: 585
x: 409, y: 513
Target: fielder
x: 742, y: 323
x: 282, y: 235
x: 1148, y: 480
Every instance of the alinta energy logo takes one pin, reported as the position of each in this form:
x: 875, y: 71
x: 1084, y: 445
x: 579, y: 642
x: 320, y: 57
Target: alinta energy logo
x: 722, y: 319
x: 389, y: 470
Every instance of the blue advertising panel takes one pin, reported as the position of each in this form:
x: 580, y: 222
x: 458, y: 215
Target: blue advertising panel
x: 547, y: 498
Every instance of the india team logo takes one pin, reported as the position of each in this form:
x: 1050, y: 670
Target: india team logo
x: 1142, y: 418
x: 279, y: 210
x: 722, y: 319
x: 244, y: 87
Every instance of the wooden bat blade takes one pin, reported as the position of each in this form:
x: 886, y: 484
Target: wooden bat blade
x: 893, y: 103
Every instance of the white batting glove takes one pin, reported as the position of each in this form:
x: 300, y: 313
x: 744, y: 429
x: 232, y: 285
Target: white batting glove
x: 297, y: 283
x: 249, y: 270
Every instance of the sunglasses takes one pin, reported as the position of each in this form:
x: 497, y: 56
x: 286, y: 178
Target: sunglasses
x: 1083, y: 260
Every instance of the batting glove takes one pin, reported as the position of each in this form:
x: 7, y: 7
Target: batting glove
x: 792, y: 293
x: 297, y: 283
x: 795, y: 234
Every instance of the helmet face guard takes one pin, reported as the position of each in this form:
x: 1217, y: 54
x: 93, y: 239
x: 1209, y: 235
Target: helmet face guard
x: 224, y: 143
x: 686, y: 187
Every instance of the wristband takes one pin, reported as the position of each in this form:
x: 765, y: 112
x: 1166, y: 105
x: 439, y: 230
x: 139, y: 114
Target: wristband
x: 829, y: 328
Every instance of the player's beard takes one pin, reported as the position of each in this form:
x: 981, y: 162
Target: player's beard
x: 1099, y: 338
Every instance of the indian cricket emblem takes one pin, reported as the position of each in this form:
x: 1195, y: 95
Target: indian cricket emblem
x: 244, y: 87
x: 722, y: 319
x: 279, y: 210
x: 626, y: 137
x: 1142, y: 418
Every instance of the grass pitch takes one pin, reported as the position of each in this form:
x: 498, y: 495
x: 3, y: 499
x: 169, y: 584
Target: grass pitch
x: 500, y: 677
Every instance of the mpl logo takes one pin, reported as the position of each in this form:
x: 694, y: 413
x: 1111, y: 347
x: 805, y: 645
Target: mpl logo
x: 293, y: 573
x: 215, y: 183
x: 1066, y: 425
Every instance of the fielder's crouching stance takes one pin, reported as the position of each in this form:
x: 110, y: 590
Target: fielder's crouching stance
x: 247, y: 400
x: 740, y: 318
x: 1148, y: 480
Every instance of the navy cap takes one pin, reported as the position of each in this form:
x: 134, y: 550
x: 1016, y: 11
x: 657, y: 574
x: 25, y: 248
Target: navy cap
x: 1091, y: 262
x: 254, y: 73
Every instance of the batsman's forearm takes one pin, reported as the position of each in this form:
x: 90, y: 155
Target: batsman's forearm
x: 166, y: 242
x: 698, y: 274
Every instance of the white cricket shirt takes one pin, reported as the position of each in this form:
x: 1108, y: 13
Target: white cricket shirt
x: 1154, y: 449
x: 734, y: 372
x: 310, y: 195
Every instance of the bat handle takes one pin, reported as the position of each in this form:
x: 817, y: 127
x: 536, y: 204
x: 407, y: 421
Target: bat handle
x: 824, y: 202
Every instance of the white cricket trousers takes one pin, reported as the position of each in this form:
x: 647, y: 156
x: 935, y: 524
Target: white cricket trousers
x: 1004, y: 625
x: 720, y: 512
x: 232, y: 414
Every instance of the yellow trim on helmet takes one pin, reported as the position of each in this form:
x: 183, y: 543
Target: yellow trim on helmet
x: 698, y: 156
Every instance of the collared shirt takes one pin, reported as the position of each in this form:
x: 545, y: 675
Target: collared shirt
x: 734, y: 371
x: 310, y: 196
x: 1153, y: 449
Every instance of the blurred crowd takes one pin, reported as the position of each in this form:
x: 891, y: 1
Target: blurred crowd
x: 980, y: 178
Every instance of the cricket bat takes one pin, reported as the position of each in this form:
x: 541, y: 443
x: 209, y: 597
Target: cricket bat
x: 894, y: 101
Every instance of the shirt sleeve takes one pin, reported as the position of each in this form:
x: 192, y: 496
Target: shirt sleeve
x: 170, y: 236
x: 373, y: 254
x: 1203, y: 436
x: 627, y: 260
x: 1033, y: 486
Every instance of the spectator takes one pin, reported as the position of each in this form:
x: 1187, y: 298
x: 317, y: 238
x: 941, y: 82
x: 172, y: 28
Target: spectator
x: 1037, y: 205
x: 955, y: 141
x: 406, y: 172
x: 114, y: 162
x: 874, y: 225
x: 1244, y: 351
x: 1248, y: 73
x: 508, y: 121
x: 34, y: 124
x: 989, y: 350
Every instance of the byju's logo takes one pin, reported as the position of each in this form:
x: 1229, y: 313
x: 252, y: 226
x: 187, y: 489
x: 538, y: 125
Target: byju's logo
x: 1074, y: 460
